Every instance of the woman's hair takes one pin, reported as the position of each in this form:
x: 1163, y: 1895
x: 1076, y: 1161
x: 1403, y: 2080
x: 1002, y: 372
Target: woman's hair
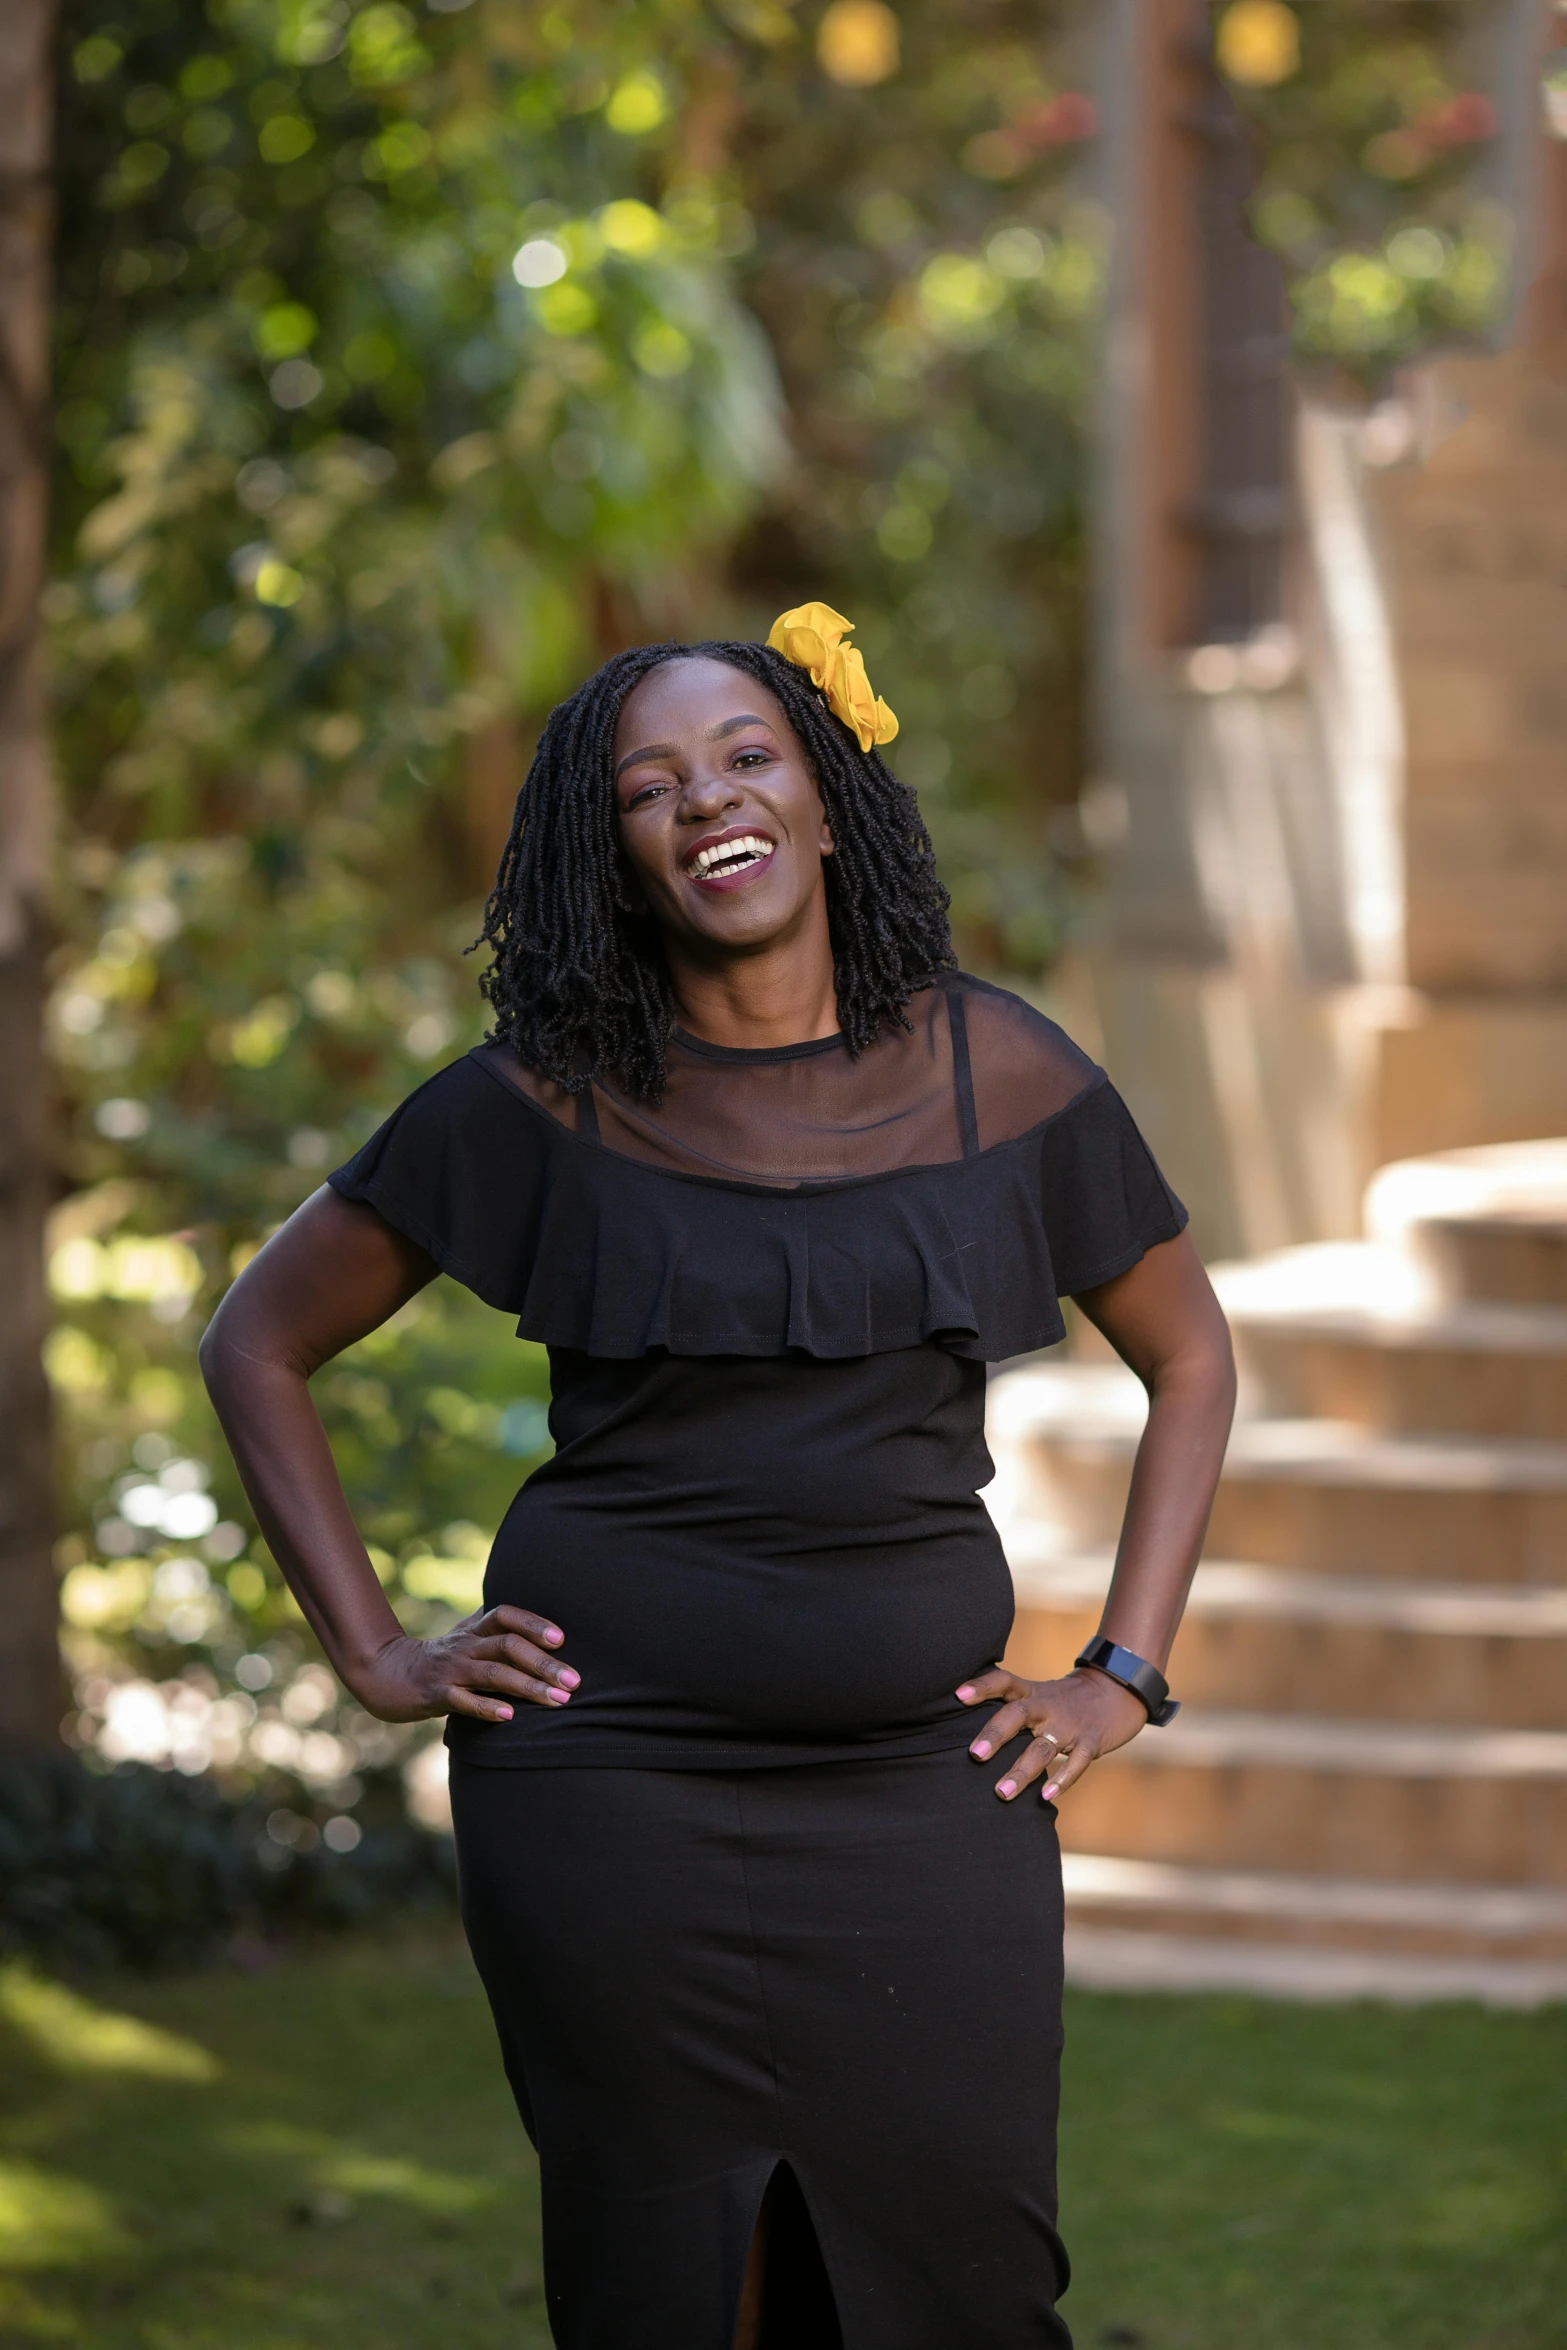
x: 579, y: 985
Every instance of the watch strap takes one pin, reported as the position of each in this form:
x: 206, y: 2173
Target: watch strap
x: 1134, y: 1672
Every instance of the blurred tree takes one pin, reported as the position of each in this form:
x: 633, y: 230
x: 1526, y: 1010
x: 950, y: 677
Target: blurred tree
x: 29, y: 1667
x: 400, y: 375
x: 1369, y: 125
x: 927, y: 265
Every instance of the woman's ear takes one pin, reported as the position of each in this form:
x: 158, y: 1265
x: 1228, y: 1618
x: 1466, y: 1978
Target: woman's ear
x: 824, y: 838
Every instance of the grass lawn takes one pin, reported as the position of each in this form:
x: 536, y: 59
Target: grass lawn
x: 324, y: 2157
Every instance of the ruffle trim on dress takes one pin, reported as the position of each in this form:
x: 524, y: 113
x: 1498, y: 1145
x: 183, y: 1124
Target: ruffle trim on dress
x: 605, y: 1255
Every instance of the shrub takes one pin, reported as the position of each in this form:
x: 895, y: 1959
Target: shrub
x: 142, y: 1868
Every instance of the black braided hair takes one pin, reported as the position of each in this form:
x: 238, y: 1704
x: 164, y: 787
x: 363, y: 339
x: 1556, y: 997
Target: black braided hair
x: 579, y: 985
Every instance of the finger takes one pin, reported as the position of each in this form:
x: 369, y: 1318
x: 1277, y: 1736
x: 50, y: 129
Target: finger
x: 479, y: 1709
x: 520, y: 1619
x: 1069, y: 1769
x: 1038, y: 1760
x: 997, y: 1682
x: 512, y: 1650
x: 1000, y: 1729
x: 486, y: 1673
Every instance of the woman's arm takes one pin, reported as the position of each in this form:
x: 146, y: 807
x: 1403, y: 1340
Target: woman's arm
x: 1164, y: 1321
x: 336, y: 1271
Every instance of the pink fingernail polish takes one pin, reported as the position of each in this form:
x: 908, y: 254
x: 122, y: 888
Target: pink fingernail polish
x: 964, y: 1694
x: 554, y: 1632
x: 981, y: 1750
x: 559, y: 1696
x: 503, y: 1714
x: 1007, y: 1787
x: 1049, y: 1794
x: 569, y: 1679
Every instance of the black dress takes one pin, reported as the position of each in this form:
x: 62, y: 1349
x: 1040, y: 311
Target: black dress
x: 745, y: 1904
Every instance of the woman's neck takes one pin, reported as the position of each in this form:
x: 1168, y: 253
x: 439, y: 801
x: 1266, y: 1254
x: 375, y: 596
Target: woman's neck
x: 781, y: 994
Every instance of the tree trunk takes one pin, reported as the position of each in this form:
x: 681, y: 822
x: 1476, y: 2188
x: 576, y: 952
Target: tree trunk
x: 30, y: 1680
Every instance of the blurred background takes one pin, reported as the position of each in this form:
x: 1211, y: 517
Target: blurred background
x: 1176, y: 398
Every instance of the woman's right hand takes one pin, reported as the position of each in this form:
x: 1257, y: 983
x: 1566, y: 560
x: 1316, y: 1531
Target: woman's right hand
x: 479, y: 1667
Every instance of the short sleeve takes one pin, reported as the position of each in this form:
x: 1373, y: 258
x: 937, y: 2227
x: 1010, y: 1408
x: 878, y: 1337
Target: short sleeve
x: 1104, y: 1201
x: 456, y: 1169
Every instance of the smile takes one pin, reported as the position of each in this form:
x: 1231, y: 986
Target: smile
x: 726, y: 860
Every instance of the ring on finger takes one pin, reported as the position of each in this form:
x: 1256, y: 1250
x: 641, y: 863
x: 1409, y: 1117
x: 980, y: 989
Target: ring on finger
x: 1048, y: 1736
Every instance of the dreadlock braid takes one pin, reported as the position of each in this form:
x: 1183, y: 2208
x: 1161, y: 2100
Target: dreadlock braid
x: 579, y: 984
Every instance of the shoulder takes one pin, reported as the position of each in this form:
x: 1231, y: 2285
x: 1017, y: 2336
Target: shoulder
x: 473, y: 1106
x: 1025, y: 1069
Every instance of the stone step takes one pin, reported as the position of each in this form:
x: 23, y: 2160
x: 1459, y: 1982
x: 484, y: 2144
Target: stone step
x: 1108, y: 1958
x: 1344, y: 1913
x: 1320, y: 1794
x: 1488, y: 1223
x: 1259, y: 1637
x: 1326, y: 1496
x: 1346, y: 1330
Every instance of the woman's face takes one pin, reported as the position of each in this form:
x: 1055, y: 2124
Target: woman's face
x: 720, y: 819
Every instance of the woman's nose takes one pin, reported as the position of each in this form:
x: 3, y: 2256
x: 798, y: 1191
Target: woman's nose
x: 705, y: 793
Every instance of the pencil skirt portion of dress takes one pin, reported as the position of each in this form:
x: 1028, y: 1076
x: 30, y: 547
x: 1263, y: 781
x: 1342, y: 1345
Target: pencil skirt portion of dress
x: 847, y: 1971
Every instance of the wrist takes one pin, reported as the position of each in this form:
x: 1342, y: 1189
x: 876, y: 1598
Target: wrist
x: 1133, y: 1673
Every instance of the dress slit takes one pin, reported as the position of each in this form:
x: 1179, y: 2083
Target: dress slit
x: 799, y: 2309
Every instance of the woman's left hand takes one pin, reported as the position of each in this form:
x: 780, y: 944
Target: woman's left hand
x: 1069, y: 1722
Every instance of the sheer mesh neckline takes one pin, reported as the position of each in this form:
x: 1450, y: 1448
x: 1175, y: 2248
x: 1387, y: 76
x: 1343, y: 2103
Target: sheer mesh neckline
x: 976, y: 1067
x: 706, y: 1050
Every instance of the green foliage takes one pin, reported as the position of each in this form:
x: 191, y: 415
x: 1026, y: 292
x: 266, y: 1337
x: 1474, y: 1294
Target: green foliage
x: 927, y: 265
x: 1368, y: 188
x: 345, y: 500
x: 141, y: 1868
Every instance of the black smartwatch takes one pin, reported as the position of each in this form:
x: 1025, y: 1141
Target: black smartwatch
x: 1135, y: 1673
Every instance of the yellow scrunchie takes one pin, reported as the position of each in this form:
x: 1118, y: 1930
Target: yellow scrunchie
x: 811, y: 636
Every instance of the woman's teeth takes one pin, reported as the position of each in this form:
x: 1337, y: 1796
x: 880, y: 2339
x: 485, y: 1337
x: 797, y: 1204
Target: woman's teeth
x: 731, y: 856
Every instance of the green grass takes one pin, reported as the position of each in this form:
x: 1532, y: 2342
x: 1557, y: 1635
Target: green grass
x: 324, y: 2157
x: 1238, y: 2175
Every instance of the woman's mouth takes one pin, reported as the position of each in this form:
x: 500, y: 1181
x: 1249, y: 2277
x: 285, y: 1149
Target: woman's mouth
x: 722, y: 862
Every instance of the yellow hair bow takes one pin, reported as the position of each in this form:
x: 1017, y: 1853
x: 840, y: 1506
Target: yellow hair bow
x: 811, y: 636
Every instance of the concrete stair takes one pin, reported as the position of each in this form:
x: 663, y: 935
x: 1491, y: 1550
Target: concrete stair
x: 1366, y: 1792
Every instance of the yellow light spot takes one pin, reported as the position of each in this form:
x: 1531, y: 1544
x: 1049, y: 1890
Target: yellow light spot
x: 958, y: 294
x: 566, y: 309
x: 78, y: 2036
x: 247, y: 1586
x: 661, y: 349
x: 278, y: 583
x: 637, y: 105
x: 105, y: 1599
x: 631, y: 228
x: 75, y: 1363
x: 256, y: 1041
x: 857, y: 42
x: 1258, y: 43
x: 283, y: 330
x: 285, y: 138
x: 76, y: 1269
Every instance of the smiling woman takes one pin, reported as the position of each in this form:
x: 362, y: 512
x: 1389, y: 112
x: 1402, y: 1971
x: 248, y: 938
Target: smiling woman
x: 777, y: 1980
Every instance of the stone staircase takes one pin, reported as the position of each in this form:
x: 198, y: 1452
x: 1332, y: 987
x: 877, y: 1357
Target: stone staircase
x: 1366, y: 1792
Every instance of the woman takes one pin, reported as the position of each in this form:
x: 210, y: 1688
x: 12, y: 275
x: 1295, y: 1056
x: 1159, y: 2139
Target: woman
x: 776, y: 1974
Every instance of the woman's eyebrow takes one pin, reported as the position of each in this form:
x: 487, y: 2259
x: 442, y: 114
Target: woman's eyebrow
x: 649, y: 751
x: 716, y: 734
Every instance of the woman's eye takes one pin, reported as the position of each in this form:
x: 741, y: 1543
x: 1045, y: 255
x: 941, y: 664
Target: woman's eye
x: 639, y: 799
x: 752, y: 758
